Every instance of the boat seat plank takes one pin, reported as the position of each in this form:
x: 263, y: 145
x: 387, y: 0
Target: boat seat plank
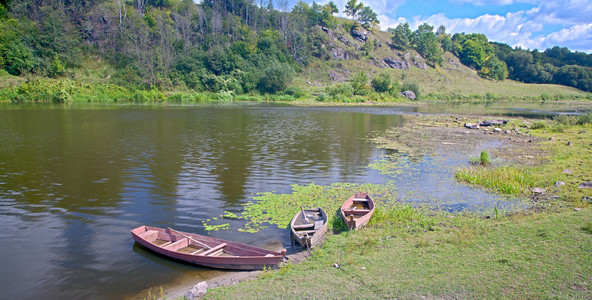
x: 166, y: 244
x: 361, y: 199
x: 196, y: 251
x: 303, y: 226
x: 173, y: 245
x: 217, y: 253
x: 213, y: 249
x: 356, y: 211
x: 305, y: 231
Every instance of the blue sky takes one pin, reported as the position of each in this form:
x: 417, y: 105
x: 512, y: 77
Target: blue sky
x: 530, y: 24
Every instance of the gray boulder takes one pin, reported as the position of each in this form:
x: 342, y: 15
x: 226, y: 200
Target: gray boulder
x: 585, y: 185
x: 408, y: 94
x: 198, y: 291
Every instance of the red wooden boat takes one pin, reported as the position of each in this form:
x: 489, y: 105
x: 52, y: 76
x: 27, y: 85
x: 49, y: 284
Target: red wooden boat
x: 308, y: 226
x: 357, y: 210
x: 206, y: 251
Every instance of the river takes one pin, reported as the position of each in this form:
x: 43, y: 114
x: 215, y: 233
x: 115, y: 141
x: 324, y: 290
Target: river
x: 74, y: 179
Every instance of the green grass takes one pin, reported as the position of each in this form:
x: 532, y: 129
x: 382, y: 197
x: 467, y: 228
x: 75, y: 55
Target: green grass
x: 530, y: 256
x: 506, y: 180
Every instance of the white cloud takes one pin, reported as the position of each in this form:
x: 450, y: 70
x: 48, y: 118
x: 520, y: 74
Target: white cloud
x: 527, y: 28
x: 524, y: 28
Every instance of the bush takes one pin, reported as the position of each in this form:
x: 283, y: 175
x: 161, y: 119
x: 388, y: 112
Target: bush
x: 294, y: 91
x: 382, y: 82
x: 571, y: 120
x: 539, y: 125
x: 277, y: 78
x: 340, y: 90
x: 359, y: 83
x: 411, y: 86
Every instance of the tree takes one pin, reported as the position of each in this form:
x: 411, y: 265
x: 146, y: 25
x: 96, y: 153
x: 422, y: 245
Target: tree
x: 401, y: 36
x: 368, y: 18
x: 475, y: 50
x: 353, y: 8
x: 494, y: 68
x: 441, y: 31
x: 426, y: 44
x: 331, y: 7
x: 359, y: 83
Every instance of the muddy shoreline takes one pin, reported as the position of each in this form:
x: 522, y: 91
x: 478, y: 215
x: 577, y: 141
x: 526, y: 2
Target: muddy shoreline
x: 294, y: 255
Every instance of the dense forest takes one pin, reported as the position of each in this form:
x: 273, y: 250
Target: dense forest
x: 238, y: 45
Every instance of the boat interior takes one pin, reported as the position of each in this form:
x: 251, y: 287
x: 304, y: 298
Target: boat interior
x: 184, y: 244
x: 309, y: 225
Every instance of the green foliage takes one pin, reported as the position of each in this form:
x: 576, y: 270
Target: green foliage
x: 572, y: 120
x: 276, y: 78
x: 506, y: 180
x: 382, y: 82
x: 494, y: 68
x: 411, y: 86
x: 359, y: 83
x: 340, y: 91
x: 368, y: 18
x: 317, y: 14
x: 555, y: 65
x: 353, y: 8
x: 57, y: 69
x: 539, y: 125
x: 401, y: 36
x: 484, y: 158
x: 425, y: 42
x: 368, y: 47
x: 587, y: 228
x: 19, y: 59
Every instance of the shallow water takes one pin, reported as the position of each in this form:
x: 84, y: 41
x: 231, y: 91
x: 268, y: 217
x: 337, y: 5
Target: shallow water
x: 75, y: 179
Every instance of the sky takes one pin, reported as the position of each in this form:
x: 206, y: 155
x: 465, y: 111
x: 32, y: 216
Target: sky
x: 530, y: 24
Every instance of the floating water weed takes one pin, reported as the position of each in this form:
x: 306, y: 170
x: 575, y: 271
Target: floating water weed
x: 278, y: 209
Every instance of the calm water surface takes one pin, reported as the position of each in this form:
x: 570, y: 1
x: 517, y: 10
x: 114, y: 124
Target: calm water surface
x: 75, y: 180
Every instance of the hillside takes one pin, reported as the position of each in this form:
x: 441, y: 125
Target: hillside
x: 181, y: 51
x: 452, y: 80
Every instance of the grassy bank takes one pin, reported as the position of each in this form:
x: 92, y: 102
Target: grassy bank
x: 528, y: 256
x: 562, y: 152
x: 93, y: 84
x: 412, y: 252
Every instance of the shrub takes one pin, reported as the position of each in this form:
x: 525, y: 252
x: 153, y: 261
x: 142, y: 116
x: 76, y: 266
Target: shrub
x: 411, y: 86
x: 539, y: 125
x: 277, y: 78
x: 382, y: 82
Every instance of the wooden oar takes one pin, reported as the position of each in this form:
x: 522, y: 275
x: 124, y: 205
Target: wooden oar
x: 202, y: 244
x: 304, y: 214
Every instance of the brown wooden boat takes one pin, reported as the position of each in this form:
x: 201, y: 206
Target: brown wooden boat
x: 308, y: 226
x: 206, y: 251
x: 357, y: 210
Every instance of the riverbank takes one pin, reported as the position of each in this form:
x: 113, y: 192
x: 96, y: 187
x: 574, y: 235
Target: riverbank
x: 95, y: 90
x: 410, y: 252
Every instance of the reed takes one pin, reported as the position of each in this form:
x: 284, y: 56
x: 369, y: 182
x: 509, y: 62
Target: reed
x: 506, y: 180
